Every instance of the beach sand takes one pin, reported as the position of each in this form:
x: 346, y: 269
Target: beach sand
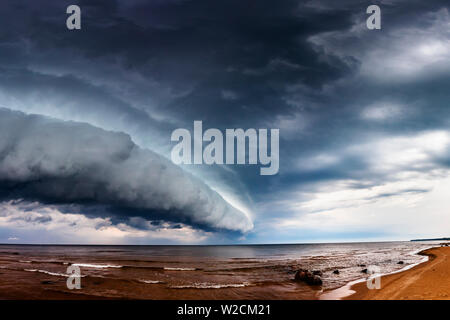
x: 426, y: 281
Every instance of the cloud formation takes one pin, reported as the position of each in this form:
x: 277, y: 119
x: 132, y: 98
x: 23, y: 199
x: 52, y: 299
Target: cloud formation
x: 40, y: 223
x: 363, y: 114
x: 68, y: 162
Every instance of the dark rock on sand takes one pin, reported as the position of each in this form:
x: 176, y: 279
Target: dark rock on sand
x: 361, y: 265
x: 308, y: 277
x: 364, y: 270
x: 336, y: 271
x: 300, y: 275
x: 315, y: 281
x: 317, y: 273
x: 400, y: 262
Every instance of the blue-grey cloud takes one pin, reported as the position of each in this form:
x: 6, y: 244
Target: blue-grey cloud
x: 69, y: 162
x: 310, y: 68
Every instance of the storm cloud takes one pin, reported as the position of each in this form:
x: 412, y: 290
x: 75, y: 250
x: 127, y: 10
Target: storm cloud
x: 363, y: 114
x: 68, y: 162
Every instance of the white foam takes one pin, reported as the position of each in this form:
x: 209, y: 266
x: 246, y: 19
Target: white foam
x: 48, y: 272
x: 179, y: 269
x: 150, y: 281
x: 345, y: 291
x: 204, y: 285
x: 100, y: 266
x: 52, y: 273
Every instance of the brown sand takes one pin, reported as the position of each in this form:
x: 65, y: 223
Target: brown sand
x: 426, y: 281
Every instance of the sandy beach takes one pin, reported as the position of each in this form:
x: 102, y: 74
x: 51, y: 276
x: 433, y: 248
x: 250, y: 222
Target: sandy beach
x: 427, y: 281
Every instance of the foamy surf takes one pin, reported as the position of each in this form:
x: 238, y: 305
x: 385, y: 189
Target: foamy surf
x: 346, y: 291
x: 99, y: 266
x: 179, y: 269
x: 204, y: 285
x: 150, y: 281
x: 48, y: 272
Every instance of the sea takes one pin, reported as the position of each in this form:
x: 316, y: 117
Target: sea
x: 196, y: 272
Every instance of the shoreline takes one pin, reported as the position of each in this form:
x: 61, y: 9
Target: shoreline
x: 342, y: 293
x: 423, y: 280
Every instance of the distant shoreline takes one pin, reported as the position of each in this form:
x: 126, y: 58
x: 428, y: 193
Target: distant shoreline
x: 435, y: 239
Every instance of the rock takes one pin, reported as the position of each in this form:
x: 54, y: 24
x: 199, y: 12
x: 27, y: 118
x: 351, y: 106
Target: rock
x: 308, y: 277
x: 317, y: 273
x: 361, y: 265
x: 400, y: 262
x: 336, y: 271
x: 315, y: 281
x: 364, y: 270
x: 300, y: 275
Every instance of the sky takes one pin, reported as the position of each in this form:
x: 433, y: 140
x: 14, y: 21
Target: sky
x: 86, y: 118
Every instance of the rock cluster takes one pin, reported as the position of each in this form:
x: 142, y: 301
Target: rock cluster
x: 311, y: 278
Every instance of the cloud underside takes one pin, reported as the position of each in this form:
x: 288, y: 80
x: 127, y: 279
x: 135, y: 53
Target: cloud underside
x: 24, y: 221
x: 56, y: 162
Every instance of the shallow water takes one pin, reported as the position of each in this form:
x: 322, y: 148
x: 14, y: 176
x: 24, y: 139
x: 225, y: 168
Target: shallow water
x: 193, y: 272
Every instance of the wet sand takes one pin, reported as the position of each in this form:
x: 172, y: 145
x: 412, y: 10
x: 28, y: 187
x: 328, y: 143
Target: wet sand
x: 426, y: 281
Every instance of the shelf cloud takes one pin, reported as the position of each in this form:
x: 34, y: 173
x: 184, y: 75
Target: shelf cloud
x: 53, y: 161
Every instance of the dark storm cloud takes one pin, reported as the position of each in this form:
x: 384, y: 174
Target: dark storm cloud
x: 198, y: 48
x: 69, y: 162
x: 71, y: 98
x: 306, y: 67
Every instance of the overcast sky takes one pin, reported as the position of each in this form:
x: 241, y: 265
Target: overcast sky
x: 87, y: 116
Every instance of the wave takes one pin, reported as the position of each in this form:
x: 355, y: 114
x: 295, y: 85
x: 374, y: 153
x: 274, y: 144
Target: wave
x: 346, y: 290
x: 143, y: 267
x: 283, y: 268
x: 205, y: 285
x: 86, y: 265
x: 105, y: 266
x: 151, y: 281
x: 179, y: 269
x: 99, y: 266
x: 43, y: 261
x: 50, y: 273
